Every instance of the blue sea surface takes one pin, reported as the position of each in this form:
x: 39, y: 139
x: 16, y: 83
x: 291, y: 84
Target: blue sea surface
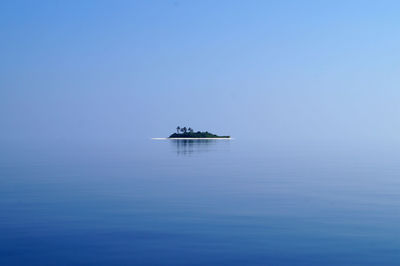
x: 186, y: 202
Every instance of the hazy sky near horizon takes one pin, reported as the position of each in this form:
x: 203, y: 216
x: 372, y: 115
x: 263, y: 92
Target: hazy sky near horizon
x: 293, y: 70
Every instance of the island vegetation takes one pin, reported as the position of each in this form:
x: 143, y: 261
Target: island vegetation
x: 185, y: 132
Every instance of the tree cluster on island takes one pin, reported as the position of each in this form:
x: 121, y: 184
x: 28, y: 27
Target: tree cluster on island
x: 188, y: 132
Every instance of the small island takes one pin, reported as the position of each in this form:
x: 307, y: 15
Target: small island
x: 188, y: 133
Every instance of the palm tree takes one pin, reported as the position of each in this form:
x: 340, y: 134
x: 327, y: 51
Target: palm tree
x: 184, y: 129
x: 178, y: 128
x: 190, y: 130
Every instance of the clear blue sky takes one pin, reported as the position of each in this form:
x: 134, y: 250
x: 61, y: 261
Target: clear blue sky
x: 296, y: 70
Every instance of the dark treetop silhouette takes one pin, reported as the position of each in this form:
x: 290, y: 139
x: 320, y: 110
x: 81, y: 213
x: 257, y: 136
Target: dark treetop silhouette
x: 189, y: 133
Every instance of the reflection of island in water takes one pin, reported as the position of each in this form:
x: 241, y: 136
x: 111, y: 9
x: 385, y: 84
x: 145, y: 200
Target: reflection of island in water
x: 190, y: 146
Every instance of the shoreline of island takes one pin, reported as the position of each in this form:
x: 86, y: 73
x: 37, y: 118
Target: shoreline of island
x: 189, y: 138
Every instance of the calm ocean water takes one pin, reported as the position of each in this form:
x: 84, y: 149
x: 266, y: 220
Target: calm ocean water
x: 200, y: 203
